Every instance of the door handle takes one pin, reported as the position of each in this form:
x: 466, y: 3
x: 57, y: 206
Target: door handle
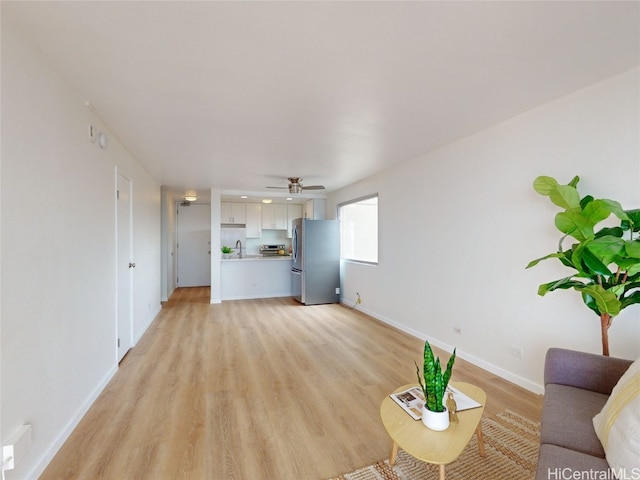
x: 132, y: 265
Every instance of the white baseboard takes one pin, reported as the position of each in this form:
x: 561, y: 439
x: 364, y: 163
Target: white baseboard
x: 73, y: 423
x: 251, y: 297
x: 50, y: 452
x: 147, y: 324
x: 501, y: 372
x: 478, y: 362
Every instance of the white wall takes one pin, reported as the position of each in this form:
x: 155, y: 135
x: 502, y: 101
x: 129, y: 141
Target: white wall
x: 459, y: 225
x: 168, y: 241
x: 216, y: 290
x: 58, y: 299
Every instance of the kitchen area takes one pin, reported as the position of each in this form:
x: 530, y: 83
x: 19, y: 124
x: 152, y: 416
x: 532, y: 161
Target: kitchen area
x: 263, y: 246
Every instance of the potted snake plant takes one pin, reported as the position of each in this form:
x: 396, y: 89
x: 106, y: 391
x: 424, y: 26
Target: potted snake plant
x: 433, y: 383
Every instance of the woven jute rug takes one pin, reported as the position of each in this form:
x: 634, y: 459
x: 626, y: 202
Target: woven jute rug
x: 511, y: 453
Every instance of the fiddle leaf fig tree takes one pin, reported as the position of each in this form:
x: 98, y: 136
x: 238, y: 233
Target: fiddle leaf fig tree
x: 606, y: 261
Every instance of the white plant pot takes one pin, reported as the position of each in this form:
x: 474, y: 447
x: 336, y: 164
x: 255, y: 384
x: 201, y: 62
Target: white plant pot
x: 437, y: 421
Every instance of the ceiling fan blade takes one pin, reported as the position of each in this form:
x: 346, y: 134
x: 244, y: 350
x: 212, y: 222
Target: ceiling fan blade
x: 296, y: 187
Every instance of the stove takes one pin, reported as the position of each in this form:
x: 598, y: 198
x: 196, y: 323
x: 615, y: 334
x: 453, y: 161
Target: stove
x: 270, y: 250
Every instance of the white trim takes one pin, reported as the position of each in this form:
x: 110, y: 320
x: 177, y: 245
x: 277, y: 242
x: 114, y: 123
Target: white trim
x: 50, y: 452
x: 251, y: 297
x: 478, y: 362
x: 147, y: 324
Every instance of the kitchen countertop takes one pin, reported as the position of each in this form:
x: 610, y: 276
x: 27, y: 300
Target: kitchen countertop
x: 259, y: 258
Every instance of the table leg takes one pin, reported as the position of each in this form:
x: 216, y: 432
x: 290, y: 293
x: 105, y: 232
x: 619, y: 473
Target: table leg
x: 480, y: 439
x: 394, y: 454
x: 442, y: 471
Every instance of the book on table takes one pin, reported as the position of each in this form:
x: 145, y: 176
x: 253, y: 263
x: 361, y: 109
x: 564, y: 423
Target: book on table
x: 412, y: 400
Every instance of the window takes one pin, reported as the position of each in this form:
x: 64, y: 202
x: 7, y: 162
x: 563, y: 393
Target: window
x: 359, y: 229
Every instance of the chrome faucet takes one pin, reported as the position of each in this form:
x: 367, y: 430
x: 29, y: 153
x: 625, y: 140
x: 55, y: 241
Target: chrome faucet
x: 239, y: 246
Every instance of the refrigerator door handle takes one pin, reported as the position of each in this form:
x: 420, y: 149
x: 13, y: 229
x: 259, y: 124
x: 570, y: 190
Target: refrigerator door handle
x: 294, y: 243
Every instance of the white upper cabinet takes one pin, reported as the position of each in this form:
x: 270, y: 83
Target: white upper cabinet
x: 315, y: 209
x: 233, y: 213
x: 293, y: 211
x: 254, y: 220
x: 274, y: 216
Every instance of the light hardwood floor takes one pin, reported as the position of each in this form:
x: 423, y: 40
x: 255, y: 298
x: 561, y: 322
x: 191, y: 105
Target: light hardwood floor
x: 254, y: 389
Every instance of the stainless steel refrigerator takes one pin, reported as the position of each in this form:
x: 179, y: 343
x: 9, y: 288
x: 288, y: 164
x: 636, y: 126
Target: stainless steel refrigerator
x: 315, y: 268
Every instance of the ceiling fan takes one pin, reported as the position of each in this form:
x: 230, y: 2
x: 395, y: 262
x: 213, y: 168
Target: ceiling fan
x: 296, y: 187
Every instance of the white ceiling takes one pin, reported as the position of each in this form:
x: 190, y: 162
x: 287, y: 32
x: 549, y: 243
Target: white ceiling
x: 241, y: 95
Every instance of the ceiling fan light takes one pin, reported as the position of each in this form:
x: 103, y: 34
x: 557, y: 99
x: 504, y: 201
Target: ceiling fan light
x: 295, y: 188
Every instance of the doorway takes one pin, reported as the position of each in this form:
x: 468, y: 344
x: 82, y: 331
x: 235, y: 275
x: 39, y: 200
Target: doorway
x: 194, y: 245
x: 125, y: 264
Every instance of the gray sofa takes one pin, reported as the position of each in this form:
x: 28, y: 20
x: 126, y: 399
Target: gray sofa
x: 577, y: 385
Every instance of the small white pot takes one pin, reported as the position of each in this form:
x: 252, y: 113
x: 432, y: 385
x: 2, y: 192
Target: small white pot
x: 437, y: 421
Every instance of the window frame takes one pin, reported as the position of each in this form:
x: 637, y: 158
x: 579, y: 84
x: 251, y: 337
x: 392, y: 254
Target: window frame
x: 338, y: 215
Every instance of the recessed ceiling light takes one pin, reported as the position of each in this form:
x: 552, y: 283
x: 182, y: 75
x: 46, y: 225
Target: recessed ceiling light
x: 266, y: 200
x: 289, y: 198
x: 243, y: 196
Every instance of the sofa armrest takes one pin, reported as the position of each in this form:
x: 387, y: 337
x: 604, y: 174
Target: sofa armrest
x: 588, y: 371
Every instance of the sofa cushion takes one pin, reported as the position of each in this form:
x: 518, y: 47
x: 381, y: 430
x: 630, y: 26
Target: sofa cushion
x: 556, y: 462
x: 567, y: 418
x: 618, y: 424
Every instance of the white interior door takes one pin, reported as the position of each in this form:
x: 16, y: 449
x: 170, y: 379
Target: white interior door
x: 125, y: 265
x: 194, y: 245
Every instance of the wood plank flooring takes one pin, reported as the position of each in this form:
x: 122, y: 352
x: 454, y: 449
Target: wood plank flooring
x: 254, y: 389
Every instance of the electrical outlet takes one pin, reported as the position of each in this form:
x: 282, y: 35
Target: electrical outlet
x: 457, y: 330
x: 8, y: 458
x: 17, y: 446
x: 337, y: 290
x: 516, y: 351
